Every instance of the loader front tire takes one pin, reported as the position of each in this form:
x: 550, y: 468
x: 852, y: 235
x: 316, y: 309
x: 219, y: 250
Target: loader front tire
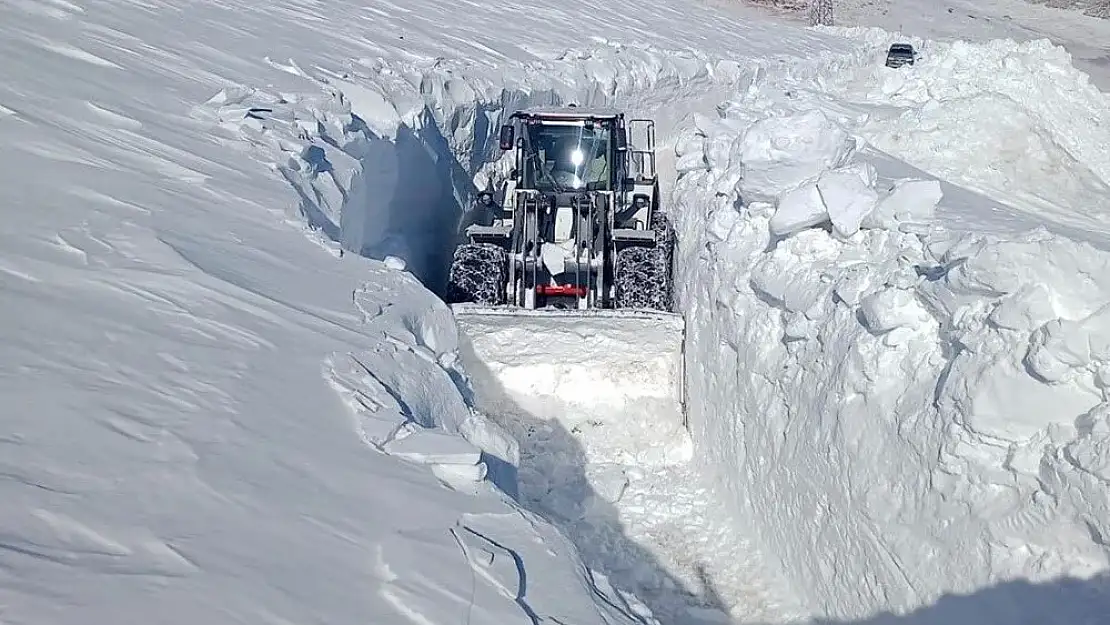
x: 642, y: 279
x: 477, y: 275
x: 644, y: 276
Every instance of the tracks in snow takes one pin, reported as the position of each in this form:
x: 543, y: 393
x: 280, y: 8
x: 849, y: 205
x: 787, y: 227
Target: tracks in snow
x: 653, y: 529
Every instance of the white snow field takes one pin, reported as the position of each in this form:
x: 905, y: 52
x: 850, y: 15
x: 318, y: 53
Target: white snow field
x: 894, y: 385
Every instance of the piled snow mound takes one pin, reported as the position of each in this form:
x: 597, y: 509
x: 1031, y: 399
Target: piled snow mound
x: 1014, y: 120
x: 1049, y: 299
x: 813, y: 142
x: 801, y: 167
x: 899, y: 411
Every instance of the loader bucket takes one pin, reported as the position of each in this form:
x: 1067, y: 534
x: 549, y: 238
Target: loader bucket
x: 615, y: 377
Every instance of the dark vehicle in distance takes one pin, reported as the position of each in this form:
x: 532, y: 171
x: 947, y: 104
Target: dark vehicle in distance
x: 900, y: 54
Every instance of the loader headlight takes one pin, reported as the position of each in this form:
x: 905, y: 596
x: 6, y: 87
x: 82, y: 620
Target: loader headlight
x: 577, y: 157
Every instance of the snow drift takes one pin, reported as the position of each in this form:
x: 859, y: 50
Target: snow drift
x: 900, y: 409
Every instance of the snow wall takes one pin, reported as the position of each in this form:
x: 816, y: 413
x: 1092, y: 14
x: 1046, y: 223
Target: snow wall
x: 901, y: 409
x: 897, y: 409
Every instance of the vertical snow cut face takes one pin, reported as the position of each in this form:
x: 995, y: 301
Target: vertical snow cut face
x: 901, y: 411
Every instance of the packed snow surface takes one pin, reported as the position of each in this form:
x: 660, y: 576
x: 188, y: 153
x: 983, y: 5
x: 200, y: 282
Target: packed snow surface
x: 580, y: 368
x: 213, y: 418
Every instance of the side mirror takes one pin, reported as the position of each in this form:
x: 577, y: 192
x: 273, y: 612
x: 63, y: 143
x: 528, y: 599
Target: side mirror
x: 622, y: 139
x: 507, y: 136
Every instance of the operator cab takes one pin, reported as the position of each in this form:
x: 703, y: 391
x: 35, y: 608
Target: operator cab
x: 568, y: 154
x: 567, y: 150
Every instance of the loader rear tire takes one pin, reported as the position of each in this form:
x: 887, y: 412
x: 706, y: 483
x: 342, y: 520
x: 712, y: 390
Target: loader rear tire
x: 477, y: 275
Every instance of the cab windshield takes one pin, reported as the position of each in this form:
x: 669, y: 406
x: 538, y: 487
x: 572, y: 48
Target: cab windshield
x: 565, y: 158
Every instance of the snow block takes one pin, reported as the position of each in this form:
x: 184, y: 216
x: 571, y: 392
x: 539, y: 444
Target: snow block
x: 848, y: 198
x: 428, y: 446
x: 460, y: 476
x: 799, y: 209
x: 780, y: 153
x: 843, y: 196
x: 890, y: 309
x: 910, y: 201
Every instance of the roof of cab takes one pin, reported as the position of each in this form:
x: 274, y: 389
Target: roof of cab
x: 569, y: 112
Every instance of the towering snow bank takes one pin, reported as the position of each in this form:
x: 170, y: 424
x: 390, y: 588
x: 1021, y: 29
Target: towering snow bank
x: 900, y: 411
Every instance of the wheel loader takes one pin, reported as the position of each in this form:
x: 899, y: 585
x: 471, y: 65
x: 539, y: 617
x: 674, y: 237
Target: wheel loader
x: 563, y: 278
x: 576, y: 226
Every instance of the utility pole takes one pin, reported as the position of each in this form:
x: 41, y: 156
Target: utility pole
x: 820, y: 12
